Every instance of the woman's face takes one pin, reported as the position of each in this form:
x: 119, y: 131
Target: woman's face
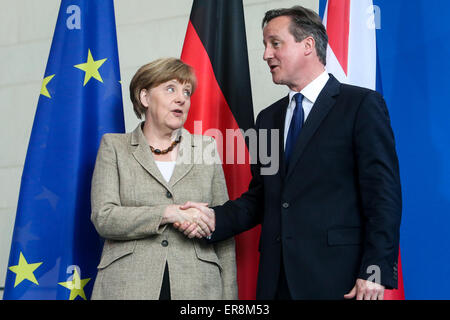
x: 167, y: 104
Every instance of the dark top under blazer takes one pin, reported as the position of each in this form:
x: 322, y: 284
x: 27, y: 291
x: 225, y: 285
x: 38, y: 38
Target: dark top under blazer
x: 334, y: 215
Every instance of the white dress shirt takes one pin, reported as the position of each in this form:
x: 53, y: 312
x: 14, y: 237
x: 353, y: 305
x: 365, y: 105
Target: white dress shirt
x: 166, y: 168
x: 310, y: 94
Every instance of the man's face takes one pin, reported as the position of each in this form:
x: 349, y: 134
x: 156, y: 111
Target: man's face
x: 284, y: 56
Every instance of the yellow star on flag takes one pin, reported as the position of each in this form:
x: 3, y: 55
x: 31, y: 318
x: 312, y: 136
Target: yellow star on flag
x: 91, y: 68
x: 76, y: 286
x: 24, y: 270
x: 44, y: 90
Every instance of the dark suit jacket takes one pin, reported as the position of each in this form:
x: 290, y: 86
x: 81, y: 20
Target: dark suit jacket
x: 334, y: 214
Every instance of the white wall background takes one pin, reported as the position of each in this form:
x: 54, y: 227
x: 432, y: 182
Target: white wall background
x: 146, y: 30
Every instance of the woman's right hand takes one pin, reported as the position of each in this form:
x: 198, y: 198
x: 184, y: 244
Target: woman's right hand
x: 193, y: 217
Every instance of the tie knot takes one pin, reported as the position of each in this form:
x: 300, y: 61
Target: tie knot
x: 298, y: 98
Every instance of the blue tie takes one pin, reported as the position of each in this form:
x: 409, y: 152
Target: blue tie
x: 295, y: 126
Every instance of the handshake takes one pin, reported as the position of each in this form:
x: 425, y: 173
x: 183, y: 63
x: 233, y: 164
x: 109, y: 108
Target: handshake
x: 194, y: 219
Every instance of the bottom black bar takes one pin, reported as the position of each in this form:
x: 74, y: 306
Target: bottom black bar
x: 228, y: 309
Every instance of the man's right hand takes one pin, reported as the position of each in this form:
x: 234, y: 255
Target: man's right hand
x: 189, y: 217
x: 191, y: 228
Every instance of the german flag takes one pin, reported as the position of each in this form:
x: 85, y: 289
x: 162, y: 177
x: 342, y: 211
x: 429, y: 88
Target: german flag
x: 216, y: 47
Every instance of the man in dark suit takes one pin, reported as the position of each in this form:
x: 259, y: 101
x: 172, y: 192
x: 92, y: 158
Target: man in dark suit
x: 331, y: 214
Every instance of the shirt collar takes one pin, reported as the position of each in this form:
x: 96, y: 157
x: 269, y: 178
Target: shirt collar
x: 313, y: 89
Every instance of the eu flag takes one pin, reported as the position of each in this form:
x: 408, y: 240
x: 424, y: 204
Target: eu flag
x: 55, y: 248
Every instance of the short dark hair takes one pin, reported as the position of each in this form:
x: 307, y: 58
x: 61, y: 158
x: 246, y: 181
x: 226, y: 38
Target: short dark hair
x: 304, y: 23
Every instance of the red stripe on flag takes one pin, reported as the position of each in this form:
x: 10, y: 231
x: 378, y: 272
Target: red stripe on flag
x: 397, y: 294
x: 208, y: 105
x: 338, y: 25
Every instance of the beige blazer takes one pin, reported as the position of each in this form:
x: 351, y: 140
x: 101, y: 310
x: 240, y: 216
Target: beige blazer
x: 128, y: 198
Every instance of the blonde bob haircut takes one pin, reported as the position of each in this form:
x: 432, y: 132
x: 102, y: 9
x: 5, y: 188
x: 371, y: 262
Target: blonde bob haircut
x: 156, y: 72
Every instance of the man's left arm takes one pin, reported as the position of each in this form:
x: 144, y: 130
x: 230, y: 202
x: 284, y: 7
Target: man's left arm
x: 380, y: 191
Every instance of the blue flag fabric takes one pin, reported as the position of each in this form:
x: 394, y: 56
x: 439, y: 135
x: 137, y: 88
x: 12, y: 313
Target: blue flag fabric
x: 413, y: 68
x: 414, y: 73
x: 55, y: 248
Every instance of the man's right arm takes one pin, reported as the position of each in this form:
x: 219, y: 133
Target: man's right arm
x: 242, y: 214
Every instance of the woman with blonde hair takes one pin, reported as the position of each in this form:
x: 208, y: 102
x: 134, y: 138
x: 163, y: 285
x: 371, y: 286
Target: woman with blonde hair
x: 138, y: 185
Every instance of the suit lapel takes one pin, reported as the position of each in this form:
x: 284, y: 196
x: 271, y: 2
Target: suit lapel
x: 279, y: 119
x: 185, y: 159
x: 325, y: 101
x: 144, y: 156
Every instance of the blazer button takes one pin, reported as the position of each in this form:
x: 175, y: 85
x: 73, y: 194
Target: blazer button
x: 168, y: 194
x: 164, y: 243
x: 285, y: 205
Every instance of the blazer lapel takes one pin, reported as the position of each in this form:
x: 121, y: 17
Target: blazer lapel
x: 322, y: 106
x: 144, y: 156
x: 279, y: 119
x: 186, y: 157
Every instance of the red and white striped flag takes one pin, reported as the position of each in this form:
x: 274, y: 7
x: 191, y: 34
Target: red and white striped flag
x: 352, y: 59
x: 352, y: 45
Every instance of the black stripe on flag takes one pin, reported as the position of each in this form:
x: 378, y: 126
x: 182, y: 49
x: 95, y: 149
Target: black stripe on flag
x: 226, y: 45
